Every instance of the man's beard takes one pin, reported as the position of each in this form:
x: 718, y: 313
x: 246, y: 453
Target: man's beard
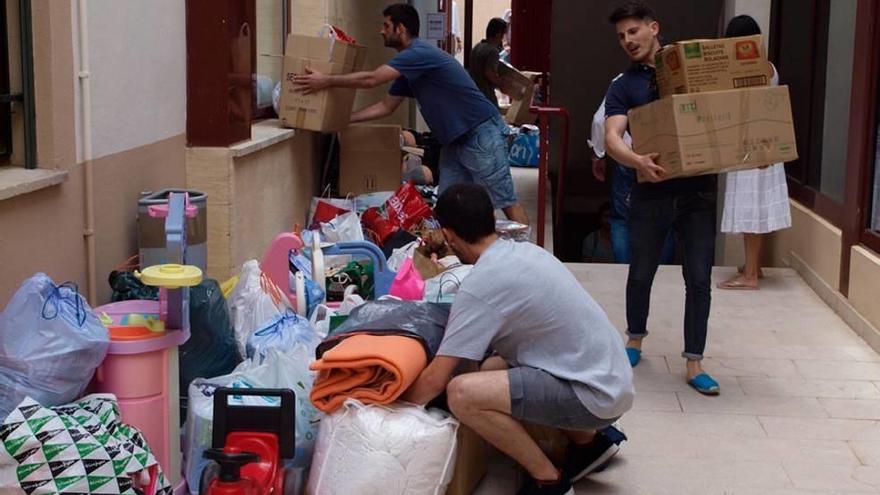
x: 393, y: 42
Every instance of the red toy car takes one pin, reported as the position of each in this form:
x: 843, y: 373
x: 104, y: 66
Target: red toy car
x: 250, y: 444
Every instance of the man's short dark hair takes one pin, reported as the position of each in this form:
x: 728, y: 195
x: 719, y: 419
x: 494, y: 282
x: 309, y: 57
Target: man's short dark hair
x: 401, y: 13
x: 632, y: 9
x: 467, y: 210
x: 496, y: 26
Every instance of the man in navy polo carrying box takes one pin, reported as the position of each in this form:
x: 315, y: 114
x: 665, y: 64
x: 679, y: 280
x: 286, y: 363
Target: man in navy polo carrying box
x: 686, y: 206
x: 473, y: 134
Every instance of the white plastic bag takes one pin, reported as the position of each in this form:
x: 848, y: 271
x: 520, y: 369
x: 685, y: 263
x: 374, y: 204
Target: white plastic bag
x: 399, y: 255
x: 255, y: 301
x: 285, y: 333
x: 444, y: 287
x: 344, y: 228
x: 278, y: 370
x: 399, y: 449
x: 50, y: 344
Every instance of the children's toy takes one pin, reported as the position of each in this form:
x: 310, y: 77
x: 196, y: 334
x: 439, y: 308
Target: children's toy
x: 250, y: 444
x: 277, y: 260
x: 141, y: 367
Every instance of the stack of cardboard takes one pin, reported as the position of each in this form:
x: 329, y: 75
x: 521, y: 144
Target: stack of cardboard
x: 370, y: 159
x: 324, y: 111
x: 716, y: 111
x: 521, y: 88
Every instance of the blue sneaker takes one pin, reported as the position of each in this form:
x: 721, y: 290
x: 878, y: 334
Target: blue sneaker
x: 581, y: 460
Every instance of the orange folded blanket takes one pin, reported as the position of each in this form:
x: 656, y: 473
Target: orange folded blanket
x: 374, y: 369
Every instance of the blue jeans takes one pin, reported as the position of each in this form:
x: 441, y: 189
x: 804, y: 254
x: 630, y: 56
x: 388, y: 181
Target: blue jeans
x: 480, y: 156
x: 691, y: 215
x: 622, y: 180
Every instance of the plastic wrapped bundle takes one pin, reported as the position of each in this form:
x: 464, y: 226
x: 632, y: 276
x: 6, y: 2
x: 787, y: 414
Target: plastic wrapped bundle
x: 384, y: 450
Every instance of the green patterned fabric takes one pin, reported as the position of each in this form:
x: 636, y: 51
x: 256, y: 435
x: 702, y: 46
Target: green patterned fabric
x: 75, y: 448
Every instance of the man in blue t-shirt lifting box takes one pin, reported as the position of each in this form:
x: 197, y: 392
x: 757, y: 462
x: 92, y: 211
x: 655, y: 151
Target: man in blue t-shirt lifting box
x: 472, y: 132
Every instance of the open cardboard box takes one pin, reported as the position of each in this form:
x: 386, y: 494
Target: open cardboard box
x: 328, y: 110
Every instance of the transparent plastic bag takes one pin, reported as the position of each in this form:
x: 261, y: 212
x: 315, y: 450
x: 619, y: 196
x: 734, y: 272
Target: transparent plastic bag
x: 50, y: 344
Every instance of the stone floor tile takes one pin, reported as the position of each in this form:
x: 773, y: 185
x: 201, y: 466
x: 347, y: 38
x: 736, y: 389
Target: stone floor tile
x: 656, y: 401
x: 794, y: 387
x: 661, y: 475
x: 666, y: 382
x: 652, y: 364
x: 772, y: 368
x: 763, y: 406
x: 635, y: 423
x: 868, y: 452
x: 839, y: 370
x: 825, y: 478
x: 852, y: 408
x: 821, y: 428
x: 689, y: 447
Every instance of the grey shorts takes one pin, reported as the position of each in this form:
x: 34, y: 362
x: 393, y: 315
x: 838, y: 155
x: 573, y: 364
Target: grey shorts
x: 540, y: 398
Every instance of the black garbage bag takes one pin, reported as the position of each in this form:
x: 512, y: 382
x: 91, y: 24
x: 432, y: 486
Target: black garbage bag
x: 127, y: 287
x: 211, y: 349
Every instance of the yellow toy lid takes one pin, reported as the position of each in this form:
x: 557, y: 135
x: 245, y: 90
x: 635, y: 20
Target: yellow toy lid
x: 171, y: 276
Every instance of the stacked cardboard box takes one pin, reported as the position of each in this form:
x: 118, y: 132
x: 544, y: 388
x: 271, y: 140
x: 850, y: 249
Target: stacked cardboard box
x: 521, y: 87
x: 324, y: 111
x: 370, y: 158
x: 717, y: 112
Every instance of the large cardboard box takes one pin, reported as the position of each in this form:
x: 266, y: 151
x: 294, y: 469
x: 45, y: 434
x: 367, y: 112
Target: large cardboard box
x: 698, y: 66
x: 471, y: 462
x: 370, y: 159
x: 707, y: 133
x: 328, y: 110
x: 521, y: 86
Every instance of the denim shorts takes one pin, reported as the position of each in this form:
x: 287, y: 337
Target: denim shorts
x: 540, y: 398
x: 480, y: 156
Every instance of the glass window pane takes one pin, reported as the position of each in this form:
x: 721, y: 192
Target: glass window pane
x: 838, y: 85
x: 270, y: 45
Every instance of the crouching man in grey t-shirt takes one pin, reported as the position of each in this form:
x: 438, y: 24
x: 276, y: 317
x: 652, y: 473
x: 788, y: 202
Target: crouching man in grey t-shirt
x: 558, y: 361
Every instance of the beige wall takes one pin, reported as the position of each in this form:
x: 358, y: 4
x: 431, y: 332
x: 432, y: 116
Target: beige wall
x: 137, y: 67
x: 48, y: 224
x: 864, y: 284
x: 484, y: 11
x: 254, y: 197
x: 360, y: 19
x: 813, y: 239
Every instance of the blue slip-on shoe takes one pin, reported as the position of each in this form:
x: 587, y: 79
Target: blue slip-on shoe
x: 634, y: 355
x: 705, y: 384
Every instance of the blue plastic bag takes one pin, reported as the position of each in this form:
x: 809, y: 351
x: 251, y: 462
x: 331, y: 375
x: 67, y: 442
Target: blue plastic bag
x: 50, y: 344
x: 285, y: 333
x: 526, y: 149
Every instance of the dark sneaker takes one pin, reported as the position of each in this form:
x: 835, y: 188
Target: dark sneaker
x: 581, y: 460
x: 535, y: 487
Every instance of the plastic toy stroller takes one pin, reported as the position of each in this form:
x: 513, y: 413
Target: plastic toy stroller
x: 250, y: 444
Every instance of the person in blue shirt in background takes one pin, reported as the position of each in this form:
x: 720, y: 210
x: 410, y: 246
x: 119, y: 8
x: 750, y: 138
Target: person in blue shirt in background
x: 472, y: 132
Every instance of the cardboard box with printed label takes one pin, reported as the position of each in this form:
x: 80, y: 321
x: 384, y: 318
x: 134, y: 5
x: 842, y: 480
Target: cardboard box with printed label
x: 328, y: 110
x: 370, y: 159
x: 698, y: 66
x: 521, y: 87
x: 721, y: 131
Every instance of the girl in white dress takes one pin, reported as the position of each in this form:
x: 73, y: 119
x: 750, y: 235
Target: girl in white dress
x: 755, y: 201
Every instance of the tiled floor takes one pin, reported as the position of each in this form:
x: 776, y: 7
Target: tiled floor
x: 799, y: 411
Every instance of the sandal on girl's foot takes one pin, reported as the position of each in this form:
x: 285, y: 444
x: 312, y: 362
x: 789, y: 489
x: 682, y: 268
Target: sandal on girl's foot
x: 737, y: 283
